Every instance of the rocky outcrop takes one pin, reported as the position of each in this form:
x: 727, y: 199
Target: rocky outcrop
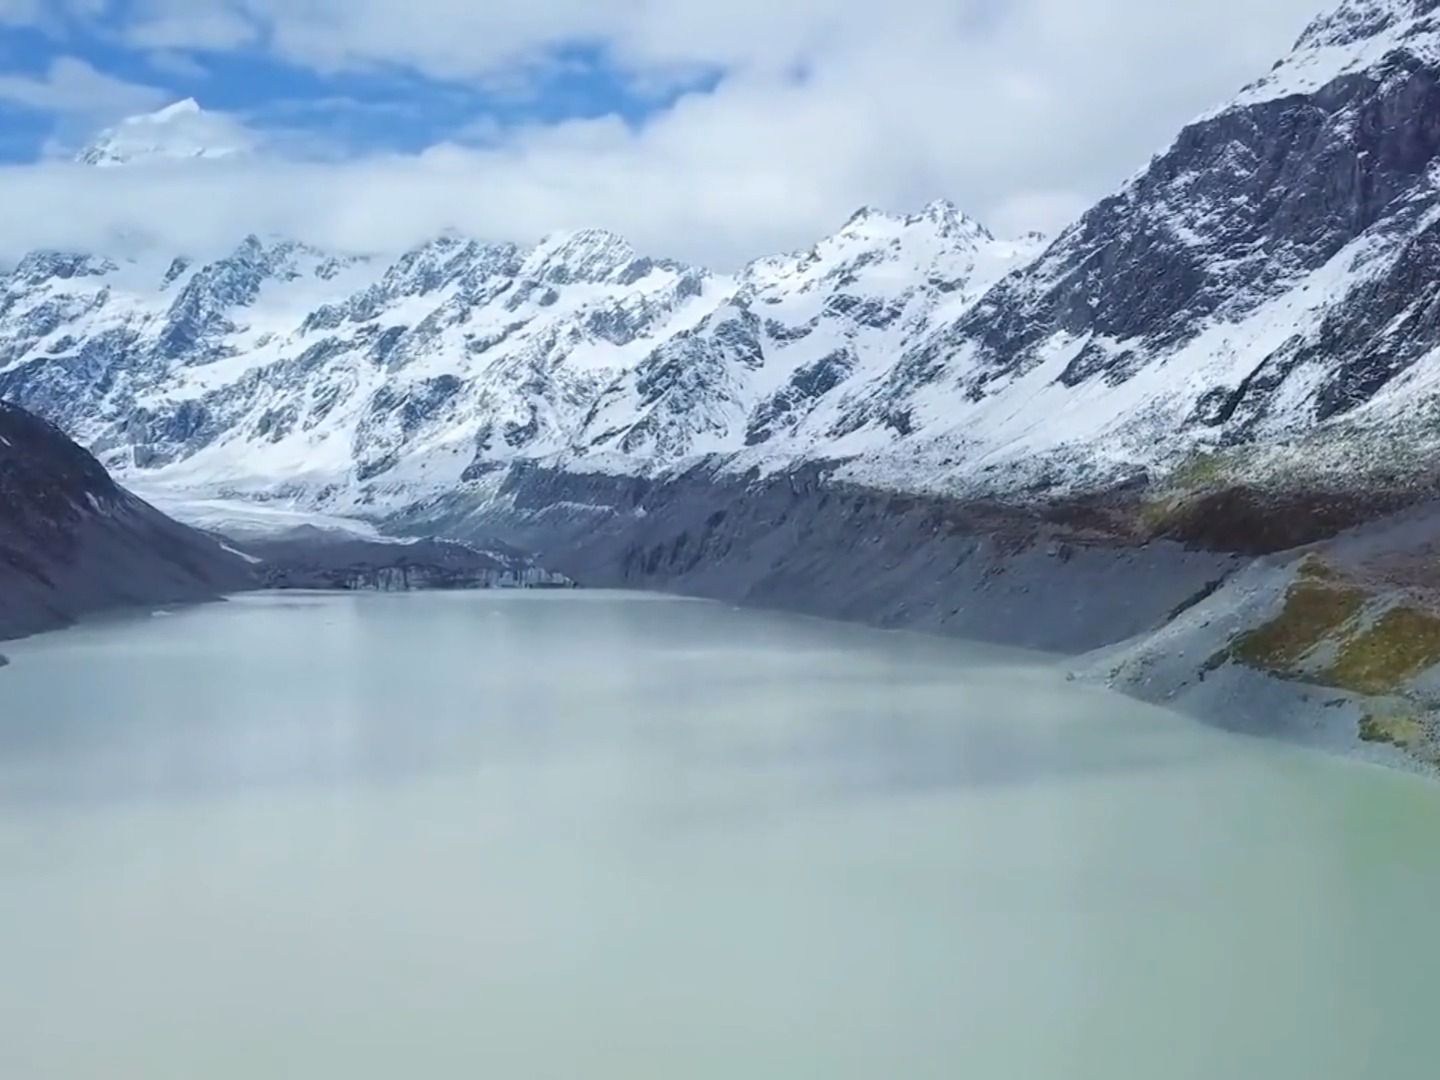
x: 1336, y: 644
x: 72, y: 542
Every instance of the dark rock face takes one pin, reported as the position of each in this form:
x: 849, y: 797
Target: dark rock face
x: 1243, y: 205
x: 806, y: 386
x: 1357, y: 20
x: 42, y: 266
x: 392, y: 420
x: 73, y: 542
x: 1262, y: 523
x: 1394, y: 323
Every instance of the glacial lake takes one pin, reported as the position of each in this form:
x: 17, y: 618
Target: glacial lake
x: 591, y: 835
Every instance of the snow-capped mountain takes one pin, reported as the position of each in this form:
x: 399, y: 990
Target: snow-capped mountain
x: 796, y: 335
x: 179, y: 131
x: 1270, y: 277
x: 278, y: 365
x: 279, y: 370
x: 1268, y: 288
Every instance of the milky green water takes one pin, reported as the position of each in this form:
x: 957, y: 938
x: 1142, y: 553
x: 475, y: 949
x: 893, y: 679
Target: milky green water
x: 597, y: 836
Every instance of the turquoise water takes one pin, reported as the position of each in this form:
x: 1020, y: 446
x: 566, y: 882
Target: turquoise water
x: 598, y: 835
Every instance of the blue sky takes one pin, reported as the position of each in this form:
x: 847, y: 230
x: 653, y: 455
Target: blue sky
x: 390, y: 107
x: 715, y: 131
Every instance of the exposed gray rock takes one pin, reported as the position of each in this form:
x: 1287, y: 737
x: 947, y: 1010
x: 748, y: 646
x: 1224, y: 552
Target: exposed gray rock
x: 72, y: 542
x: 311, y: 558
x: 799, y: 542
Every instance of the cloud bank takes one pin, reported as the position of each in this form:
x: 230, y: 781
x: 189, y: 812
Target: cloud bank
x: 1021, y: 111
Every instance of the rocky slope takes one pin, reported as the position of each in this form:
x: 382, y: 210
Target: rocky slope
x: 73, y: 542
x: 1268, y: 278
x: 1336, y: 644
x: 1051, y: 577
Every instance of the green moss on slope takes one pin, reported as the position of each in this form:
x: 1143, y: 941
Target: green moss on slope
x: 1402, y: 643
x: 1393, y: 729
x: 1313, y: 611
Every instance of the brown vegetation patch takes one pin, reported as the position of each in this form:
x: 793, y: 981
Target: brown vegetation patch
x: 1252, y: 522
x: 1393, y: 729
x: 1313, y: 611
x: 1402, y: 644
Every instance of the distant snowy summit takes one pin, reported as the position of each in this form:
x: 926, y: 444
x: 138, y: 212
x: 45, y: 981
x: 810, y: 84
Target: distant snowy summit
x: 182, y: 131
x: 282, y: 369
x: 1358, y: 20
x: 1358, y: 38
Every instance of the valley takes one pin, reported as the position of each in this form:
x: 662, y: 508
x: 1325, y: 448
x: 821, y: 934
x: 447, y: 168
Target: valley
x: 1145, y: 441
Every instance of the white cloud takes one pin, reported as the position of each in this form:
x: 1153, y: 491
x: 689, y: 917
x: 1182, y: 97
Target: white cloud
x: 178, y: 65
x: 457, y: 38
x: 1044, y: 211
x: 47, y: 13
x: 19, y: 12
x: 1022, y: 111
x: 70, y: 85
x: 189, y: 24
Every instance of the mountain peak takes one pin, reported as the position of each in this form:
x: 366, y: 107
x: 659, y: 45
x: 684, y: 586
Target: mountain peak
x: 179, y: 131
x: 580, y: 255
x: 942, y: 215
x: 951, y: 220
x: 1358, y: 36
x: 180, y: 108
x: 864, y: 214
x: 1358, y: 20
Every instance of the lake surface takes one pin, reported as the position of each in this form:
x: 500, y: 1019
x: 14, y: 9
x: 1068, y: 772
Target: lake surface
x: 576, y: 835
